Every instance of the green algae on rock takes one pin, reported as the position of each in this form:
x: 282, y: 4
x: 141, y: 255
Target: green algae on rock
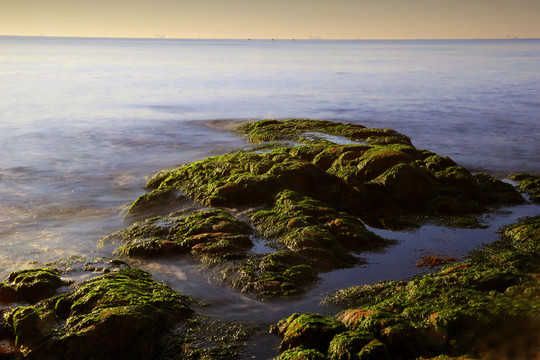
x: 209, y: 233
x: 244, y: 179
x: 308, y: 330
x: 120, y: 315
x: 311, y: 192
x: 202, y: 337
x: 156, y: 202
x: 301, y: 354
x: 314, y: 230
x: 277, y: 274
x: 31, y: 285
x: 529, y: 184
x: 486, y: 306
x: 305, y: 130
x: 384, y: 176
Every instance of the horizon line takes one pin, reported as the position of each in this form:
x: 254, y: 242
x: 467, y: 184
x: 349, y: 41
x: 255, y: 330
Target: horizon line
x: 270, y: 39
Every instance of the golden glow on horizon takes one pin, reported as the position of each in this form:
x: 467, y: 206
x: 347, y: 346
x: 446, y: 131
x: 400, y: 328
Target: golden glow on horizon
x: 338, y: 19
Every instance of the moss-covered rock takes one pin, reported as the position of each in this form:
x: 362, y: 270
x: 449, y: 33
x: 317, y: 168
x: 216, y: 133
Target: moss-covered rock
x: 305, y: 130
x: 312, y: 229
x: 383, y: 175
x: 308, y: 330
x: 524, y: 235
x: 119, y: 315
x: 529, y: 184
x: 203, y: 337
x: 156, y: 202
x: 487, y: 305
x: 31, y: 285
x: 301, y: 354
x: 207, y: 233
x: 348, y: 345
x: 244, y: 179
x: 375, y: 350
x: 310, y: 193
x: 277, y: 274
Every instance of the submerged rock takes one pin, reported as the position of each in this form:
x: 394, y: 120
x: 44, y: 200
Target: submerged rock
x: 305, y: 130
x: 157, y: 202
x: 281, y: 273
x: 483, y: 307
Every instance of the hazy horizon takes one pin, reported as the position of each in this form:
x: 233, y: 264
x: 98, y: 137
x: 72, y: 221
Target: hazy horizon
x: 298, y: 19
x: 255, y: 39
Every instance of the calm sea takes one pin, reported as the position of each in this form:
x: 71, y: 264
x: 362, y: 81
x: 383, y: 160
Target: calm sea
x: 84, y: 121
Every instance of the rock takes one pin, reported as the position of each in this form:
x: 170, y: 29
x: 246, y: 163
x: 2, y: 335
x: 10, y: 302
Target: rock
x: 315, y: 230
x: 207, y: 233
x: 303, y: 130
x: 124, y: 313
x: 347, y: 345
x: 467, y: 308
x: 383, y: 175
x: 310, y: 187
x: 31, y: 285
x: 375, y: 350
x: 157, y: 202
x: 308, y: 330
x: 529, y: 184
x: 524, y: 235
x: 282, y: 273
x: 301, y: 354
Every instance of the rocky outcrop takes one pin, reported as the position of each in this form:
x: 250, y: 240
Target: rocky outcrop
x: 487, y: 306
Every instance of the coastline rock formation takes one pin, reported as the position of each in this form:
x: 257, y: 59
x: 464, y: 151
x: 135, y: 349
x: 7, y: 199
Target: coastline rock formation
x: 303, y: 189
x: 306, y: 192
x: 485, y: 307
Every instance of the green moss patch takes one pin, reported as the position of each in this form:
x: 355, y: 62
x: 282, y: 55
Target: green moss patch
x: 31, y: 285
x: 278, y: 274
x: 208, y: 233
x: 304, y: 130
x: 315, y: 230
x: 119, y: 315
x: 529, y: 184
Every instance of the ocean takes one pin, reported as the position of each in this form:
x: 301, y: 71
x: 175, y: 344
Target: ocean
x: 84, y: 121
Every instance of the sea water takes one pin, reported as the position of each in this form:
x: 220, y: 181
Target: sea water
x: 83, y: 122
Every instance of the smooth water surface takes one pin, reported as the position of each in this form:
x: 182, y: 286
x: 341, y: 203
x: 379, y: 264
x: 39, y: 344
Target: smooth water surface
x: 84, y: 121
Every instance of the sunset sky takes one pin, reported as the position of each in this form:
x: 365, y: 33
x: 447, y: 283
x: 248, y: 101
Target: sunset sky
x: 336, y: 19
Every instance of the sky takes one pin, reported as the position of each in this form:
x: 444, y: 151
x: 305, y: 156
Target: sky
x: 279, y: 19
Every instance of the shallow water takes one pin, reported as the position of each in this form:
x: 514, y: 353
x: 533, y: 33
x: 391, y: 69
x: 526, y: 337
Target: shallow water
x: 83, y: 122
